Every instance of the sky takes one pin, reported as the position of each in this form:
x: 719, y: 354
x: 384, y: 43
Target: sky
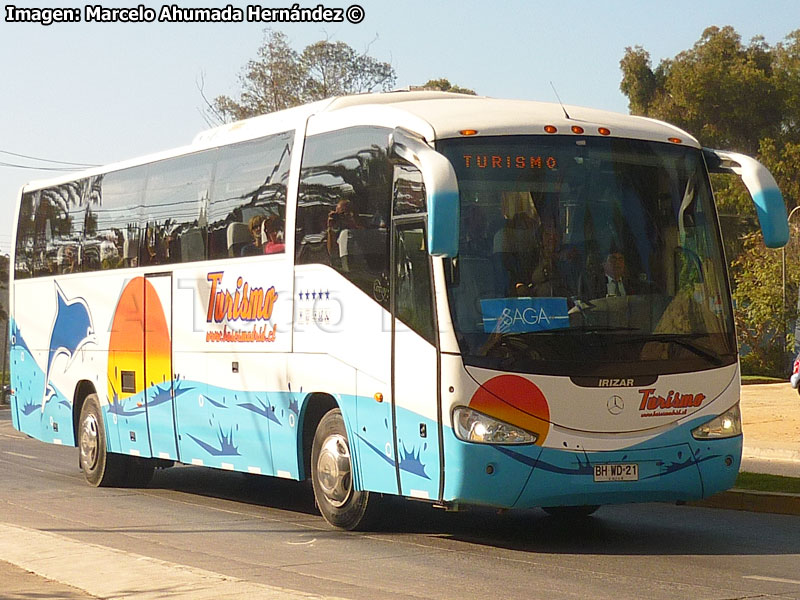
x: 97, y: 93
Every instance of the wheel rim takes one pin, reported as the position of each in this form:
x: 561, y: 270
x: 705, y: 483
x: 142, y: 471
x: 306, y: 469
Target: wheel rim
x: 89, y: 442
x: 333, y: 470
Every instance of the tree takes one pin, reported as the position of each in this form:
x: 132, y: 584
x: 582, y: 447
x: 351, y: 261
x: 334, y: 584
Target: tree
x: 281, y: 78
x: 444, y: 85
x: 761, y: 320
x: 727, y: 94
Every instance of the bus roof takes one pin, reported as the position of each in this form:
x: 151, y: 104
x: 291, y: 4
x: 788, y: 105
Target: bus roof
x: 434, y: 115
x: 447, y: 114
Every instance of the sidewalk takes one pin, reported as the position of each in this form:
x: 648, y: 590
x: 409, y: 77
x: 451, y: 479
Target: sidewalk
x: 771, y: 424
x: 19, y: 584
x: 771, y: 421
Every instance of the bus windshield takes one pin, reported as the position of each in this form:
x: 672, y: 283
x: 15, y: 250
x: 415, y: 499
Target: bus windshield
x: 587, y: 255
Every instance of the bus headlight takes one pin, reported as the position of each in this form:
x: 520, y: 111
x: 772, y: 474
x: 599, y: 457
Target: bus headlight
x: 471, y: 426
x: 728, y: 424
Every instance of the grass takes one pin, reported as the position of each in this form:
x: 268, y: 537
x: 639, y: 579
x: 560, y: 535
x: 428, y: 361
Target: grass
x: 748, y: 379
x: 761, y: 482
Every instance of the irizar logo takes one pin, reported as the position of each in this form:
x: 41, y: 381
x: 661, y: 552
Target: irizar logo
x: 615, y: 383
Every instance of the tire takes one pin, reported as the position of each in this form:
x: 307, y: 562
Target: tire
x: 100, y: 467
x: 571, y: 512
x: 332, y: 476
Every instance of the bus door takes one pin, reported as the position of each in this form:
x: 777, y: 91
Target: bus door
x: 415, y: 403
x: 160, y: 396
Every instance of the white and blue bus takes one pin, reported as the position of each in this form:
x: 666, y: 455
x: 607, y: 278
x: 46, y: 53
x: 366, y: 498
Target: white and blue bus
x: 459, y: 299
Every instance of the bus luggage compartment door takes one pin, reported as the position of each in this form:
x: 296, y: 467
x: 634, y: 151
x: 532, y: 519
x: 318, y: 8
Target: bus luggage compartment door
x: 159, y: 394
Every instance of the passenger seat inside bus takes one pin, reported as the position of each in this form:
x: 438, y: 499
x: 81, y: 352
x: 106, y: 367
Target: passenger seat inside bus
x: 193, y: 246
x: 238, y: 238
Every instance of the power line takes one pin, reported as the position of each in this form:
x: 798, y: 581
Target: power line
x: 60, y: 162
x: 15, y: 166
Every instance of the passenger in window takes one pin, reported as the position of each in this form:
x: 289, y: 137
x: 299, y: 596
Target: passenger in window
x: 614, y: 281
x: 69, y: 259
x: 516, y: 247
x: 273, y: 234
x: 476, y: 240
x: 341, y: 222
x: 547, y: 279
x: 255, y: 225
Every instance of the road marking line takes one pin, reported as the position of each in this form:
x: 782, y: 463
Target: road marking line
x: 775, y: 579
x: 306, y: 543
x: 110, y: 573
x: 20, y: 455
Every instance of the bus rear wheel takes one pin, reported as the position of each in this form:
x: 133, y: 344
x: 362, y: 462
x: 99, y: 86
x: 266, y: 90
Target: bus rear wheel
x: 100, y: 467
x: 339, y: 502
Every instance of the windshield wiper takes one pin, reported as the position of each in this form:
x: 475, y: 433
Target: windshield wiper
x: 684, y: 340
x: 590, y: 329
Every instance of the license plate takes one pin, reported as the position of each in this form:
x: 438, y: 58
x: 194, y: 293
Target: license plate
x: 617, y: 472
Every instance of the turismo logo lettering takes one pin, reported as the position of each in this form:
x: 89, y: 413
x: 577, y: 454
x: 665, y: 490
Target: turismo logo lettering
x: 247, y: 304
x: 673, y: 404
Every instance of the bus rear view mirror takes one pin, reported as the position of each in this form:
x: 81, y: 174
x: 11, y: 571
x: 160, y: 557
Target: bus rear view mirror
x: 441, y: 188
x: 763, y: 189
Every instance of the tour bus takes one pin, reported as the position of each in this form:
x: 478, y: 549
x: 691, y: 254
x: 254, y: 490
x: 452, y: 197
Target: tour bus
x: 457, y: 299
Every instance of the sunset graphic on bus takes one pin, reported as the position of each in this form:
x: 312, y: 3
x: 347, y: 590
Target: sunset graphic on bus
x: 516, y: 401
x: 131, y: 335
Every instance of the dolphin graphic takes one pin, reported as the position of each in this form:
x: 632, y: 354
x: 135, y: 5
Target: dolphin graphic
x: 72, y: 329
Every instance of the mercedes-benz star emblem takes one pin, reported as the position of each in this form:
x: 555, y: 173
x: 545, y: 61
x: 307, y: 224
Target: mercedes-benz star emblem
x: 615, y: 405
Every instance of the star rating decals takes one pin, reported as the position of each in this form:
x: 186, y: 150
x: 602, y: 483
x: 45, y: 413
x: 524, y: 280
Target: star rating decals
x: 314, y: 295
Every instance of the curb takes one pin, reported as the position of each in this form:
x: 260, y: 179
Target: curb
x: 764, y: 502
x: 781, y: 454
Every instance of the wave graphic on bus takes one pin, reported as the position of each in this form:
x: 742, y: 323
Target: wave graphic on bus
x: 72, y: 329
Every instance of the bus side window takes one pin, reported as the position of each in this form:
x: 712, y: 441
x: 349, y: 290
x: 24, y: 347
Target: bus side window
x: 176, y: 204
x: 26, y: 236
x: 247, y: 212
x: 64, y: 214
x: 116, y: 200
x: 344, y: 204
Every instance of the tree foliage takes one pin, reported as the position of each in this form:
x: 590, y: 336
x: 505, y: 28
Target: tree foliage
x: 743, y: 97
x: 727, y: 94
x: 280, y: 77
x: 761, y: 320
x: 444, y: 85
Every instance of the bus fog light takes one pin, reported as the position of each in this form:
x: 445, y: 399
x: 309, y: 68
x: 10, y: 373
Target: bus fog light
x: 471, y: 426
x: 728, y: 424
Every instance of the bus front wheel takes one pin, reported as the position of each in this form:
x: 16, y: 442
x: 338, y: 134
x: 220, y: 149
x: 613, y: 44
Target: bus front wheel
x: 339, y: 502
